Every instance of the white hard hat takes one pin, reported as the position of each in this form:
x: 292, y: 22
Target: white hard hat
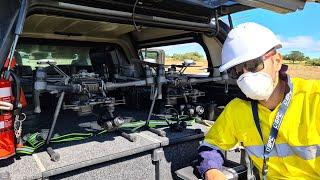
x: 245, y: 42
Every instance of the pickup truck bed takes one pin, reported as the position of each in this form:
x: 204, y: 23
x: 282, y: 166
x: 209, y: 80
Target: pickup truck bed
x: 110, y: 156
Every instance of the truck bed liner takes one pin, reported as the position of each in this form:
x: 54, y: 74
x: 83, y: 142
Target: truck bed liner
x: 96, y: 150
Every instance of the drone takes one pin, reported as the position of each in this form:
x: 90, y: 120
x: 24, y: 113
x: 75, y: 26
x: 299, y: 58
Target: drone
x: 87, y: 92
x: 180, y: 97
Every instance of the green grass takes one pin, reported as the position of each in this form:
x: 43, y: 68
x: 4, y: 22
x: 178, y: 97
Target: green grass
x: 313, y: 62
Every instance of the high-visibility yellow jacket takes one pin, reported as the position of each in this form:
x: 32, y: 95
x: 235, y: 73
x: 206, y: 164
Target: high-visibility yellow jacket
x: 296, y: 154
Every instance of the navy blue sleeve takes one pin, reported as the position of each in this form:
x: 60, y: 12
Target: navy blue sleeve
x: 209, y: 157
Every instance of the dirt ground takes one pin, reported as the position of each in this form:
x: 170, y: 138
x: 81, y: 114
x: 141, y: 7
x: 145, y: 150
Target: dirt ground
x: 304, y: 71
x: 295, y: 70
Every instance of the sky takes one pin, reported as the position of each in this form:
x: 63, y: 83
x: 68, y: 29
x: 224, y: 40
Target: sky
x: 299, y: 30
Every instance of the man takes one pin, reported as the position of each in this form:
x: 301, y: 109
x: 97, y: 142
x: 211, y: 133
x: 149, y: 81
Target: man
x: 278, y: 123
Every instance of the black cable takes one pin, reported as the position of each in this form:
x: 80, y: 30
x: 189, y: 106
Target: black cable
x: 133, y: 16
x: 17, y: 90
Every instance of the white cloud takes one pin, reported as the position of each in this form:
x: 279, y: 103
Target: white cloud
x: 174, y: 47
x: 167, y: 48
x: 302, y: 43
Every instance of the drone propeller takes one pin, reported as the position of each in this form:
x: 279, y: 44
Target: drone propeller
x: 152, y: 64
x: 210, y: 68
x: 181, y: 65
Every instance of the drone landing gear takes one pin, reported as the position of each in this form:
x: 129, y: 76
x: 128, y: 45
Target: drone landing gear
x: 54, y: 155
x: 156, y: 131
x: 112, y: 124
x: 147, y: 126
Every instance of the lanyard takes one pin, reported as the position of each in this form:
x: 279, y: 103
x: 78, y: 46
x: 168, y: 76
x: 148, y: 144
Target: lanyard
x: 275, y: 126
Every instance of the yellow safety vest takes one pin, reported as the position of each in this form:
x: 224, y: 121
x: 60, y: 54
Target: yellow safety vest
x: 296, y: 154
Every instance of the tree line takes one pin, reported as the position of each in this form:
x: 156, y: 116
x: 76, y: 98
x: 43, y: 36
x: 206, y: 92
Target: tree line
x: 295, y: 56
x: 189, y: 55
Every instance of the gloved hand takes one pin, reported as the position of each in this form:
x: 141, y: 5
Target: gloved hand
x: 214, y: 174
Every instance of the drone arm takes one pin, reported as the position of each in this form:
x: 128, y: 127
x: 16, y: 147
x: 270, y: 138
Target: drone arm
x: 42, y: 85
x: 110, y: 85
x: 204, y: 80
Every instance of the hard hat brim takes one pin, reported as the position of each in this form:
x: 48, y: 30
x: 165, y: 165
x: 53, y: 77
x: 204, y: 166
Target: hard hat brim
x: 234, y: 62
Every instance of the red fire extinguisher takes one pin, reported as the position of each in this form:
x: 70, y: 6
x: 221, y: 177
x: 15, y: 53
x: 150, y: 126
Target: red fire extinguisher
x: 7, y: 141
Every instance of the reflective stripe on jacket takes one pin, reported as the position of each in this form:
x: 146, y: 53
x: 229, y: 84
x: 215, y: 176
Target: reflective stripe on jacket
x: 297, y: 151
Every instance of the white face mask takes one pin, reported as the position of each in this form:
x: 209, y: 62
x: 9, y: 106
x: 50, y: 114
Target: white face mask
x: 257, y: 86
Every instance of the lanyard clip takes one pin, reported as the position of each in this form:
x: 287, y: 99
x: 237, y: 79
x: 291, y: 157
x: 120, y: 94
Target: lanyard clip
x: 265, y: 166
